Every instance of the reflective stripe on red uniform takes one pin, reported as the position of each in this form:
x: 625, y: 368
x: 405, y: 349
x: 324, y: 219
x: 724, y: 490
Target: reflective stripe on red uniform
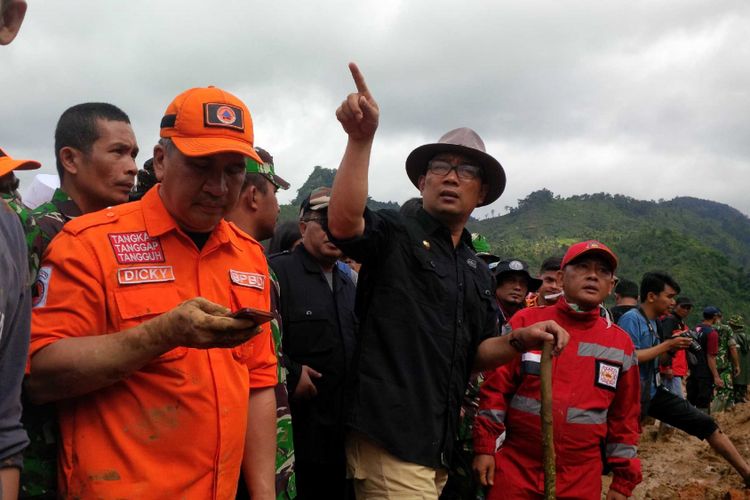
x: 596, y: 394
x: 176, y: 427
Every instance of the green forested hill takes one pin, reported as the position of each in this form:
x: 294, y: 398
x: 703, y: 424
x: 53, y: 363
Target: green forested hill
x: 321, y: 176
x: 704, y: 244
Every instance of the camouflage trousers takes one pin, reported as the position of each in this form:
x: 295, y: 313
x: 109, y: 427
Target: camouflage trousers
x: 724, y: 396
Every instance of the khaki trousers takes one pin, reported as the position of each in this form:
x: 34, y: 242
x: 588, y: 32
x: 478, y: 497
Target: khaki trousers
x: 378, y: 475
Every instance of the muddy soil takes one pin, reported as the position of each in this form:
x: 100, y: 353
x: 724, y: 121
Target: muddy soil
x: 678, y: 466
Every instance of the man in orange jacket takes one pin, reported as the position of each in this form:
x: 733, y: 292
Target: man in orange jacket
x: 132, y: 332
x: 595, y: 396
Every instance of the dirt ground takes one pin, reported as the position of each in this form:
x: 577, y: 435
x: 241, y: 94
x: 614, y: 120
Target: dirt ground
x: 679, y: 466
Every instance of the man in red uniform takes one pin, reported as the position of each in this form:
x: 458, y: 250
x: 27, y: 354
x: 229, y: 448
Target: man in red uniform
x: 132, y: 332
x: 595, y: 396
x: 674, y: 369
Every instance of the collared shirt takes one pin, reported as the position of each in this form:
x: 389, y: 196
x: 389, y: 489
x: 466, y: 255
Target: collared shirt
x: 176, y: 427
x: 424, y: 307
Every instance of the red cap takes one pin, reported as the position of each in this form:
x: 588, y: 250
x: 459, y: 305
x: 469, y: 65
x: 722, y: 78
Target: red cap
x: 8, y: 164
x: 207, y: 121
x: 590, y: 246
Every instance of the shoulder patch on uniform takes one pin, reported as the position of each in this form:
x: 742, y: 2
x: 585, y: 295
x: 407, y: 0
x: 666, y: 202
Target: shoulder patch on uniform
x: 249, y: 280
x: 85, y: 221
x: 41, y: 286
x: 607, y: 375
x: 136, y: 247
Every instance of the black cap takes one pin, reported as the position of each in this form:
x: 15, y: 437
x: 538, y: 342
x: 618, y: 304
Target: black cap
x: 516, y: 266
x: 683, y: 301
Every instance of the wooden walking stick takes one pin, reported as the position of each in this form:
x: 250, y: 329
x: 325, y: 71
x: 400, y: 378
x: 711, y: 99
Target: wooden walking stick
x: 548, y: 444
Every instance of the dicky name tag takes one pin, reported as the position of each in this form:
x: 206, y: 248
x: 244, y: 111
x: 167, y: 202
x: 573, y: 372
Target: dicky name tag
x: 145, y: 274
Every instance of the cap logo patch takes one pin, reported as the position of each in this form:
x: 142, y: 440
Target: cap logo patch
x: 592, y: 245
x: 226, y: 115
x: 223, y: 115
x: 516, y: 265
x: 147, y: 274
x: 136, y: 248
x: 249, y: 280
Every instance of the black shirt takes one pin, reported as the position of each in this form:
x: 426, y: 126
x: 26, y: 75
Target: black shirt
x: 319, y: 329
x: 424, y: 307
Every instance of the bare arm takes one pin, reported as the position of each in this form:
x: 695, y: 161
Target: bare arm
x: 9, y: 482
x: 714, y: 372
x: 497, y: 351
x: 735, y: 361
x: 74, y: 366
x: 259, y: 462
x: 359, y: 117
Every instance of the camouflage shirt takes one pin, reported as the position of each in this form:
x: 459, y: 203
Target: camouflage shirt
x: 726, y: 342
x: 30, y: 229
x: 50, y: 217
x: 724, y: 397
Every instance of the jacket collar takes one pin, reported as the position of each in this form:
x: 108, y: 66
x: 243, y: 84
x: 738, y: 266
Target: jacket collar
x: 65, y: 204
x: 432, y: 226
x: 573, y: 314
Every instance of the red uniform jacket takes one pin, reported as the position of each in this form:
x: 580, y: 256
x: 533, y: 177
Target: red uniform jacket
x: 596, y: 406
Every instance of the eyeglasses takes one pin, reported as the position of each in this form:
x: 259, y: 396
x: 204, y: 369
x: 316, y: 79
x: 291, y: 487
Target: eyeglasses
x: 465, y: 172
x: 685, y: 306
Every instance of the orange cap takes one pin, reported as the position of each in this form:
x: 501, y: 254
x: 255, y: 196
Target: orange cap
x: 207, y: 121
x: 8, y: 164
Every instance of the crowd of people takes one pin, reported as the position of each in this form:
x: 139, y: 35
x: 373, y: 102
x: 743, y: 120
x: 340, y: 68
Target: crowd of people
x: 151, y: 347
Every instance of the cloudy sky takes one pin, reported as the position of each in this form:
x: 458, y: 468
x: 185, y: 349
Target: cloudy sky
x: 642, y: 98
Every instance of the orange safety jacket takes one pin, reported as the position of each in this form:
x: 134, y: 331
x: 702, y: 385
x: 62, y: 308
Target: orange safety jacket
x: 176, y: 427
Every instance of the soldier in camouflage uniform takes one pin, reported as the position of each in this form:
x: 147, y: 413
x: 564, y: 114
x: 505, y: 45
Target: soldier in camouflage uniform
x: 84, y: 132
x: 741, y: 380
x: 286, y: 488
x: 727, y: 364
x: 9, y: 192
x: 256, y: 214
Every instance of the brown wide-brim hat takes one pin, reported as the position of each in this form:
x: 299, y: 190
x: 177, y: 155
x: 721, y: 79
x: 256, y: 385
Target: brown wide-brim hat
x: 463, y: 141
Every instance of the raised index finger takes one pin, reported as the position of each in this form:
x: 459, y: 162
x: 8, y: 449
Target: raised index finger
x: 359, y: 80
